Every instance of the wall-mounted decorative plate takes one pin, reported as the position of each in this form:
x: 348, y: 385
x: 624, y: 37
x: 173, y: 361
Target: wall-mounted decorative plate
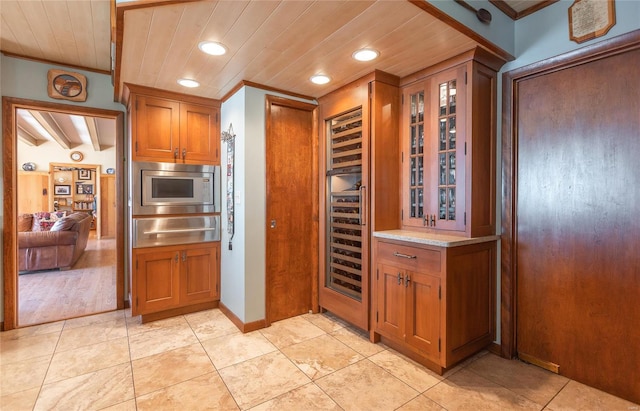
x: 111, y: 171
x: 29, y: 167
x: 76, y: 156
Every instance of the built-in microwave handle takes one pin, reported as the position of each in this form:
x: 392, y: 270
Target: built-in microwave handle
x: 186, y: 230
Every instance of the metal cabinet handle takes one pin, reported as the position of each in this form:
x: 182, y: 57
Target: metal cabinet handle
x: 397, y: 254
x: 407, y: 280
x: 184, y: 256
x: 400, y: 277
x: 363, y: 205
x: 175, y: 153
x: 176, y: 257
x: 184, y: 153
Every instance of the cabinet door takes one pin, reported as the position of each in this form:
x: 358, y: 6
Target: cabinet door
x: 445, y: 185
x: 199, y: 134
x: 32, y: 196
x: 199, y: 274
x: 156, y: 286
x: 156, y: 129
x: 415, y: 158
x: 390, y: 310
x: 423, y: 313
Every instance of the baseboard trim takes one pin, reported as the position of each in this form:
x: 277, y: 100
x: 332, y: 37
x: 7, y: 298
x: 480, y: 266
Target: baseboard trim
x: 244, y: 328
x: 496, y: 349
x: 1, y: 325
x: 179, y: 311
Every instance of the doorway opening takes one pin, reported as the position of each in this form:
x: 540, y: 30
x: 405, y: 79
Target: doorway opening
x: 71, y: 181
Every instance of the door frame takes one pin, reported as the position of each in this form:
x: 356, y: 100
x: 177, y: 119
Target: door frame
x: 270, y: 101
x: 10, y: 172
x: 509, y: 239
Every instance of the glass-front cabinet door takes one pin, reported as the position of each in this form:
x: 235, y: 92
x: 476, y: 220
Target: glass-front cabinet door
x: 434, y: 152
x: 415, y: 155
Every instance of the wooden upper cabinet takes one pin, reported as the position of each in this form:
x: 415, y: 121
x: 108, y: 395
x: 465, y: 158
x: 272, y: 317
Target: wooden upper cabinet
x: 449, y: 145
x: 157, y: 128
x: 169, y: 127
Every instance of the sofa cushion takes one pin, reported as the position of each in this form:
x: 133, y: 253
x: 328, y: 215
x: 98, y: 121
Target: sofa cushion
x: 64, y: 224
x: 25, y: 222
x: 43, y: 220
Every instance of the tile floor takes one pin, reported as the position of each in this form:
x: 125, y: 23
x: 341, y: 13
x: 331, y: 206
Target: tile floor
x: 201, y: 361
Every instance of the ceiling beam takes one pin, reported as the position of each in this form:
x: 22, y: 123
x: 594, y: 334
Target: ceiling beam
x: 52, y: 128
x: 93, y: 132
x: 26, y: 137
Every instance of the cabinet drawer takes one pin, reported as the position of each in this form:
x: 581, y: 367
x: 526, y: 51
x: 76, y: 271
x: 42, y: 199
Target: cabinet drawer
x: 408, y: 257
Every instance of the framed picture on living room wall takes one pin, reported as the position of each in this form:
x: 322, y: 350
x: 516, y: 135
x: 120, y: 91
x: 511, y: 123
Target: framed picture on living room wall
x: 61, y: 190
x: 84, y: 188
x: 84, y: 174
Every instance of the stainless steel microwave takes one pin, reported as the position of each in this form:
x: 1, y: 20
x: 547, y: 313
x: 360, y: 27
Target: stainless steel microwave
x: 168, y: 188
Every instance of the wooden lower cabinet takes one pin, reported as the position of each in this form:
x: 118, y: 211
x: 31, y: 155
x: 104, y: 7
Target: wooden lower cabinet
x: 175, y: 276
x: 434, y: 304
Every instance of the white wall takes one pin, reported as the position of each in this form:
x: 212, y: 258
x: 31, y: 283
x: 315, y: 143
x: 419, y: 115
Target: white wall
x: 243, y: 268
x: 28, y: 79
x: 51, y: 152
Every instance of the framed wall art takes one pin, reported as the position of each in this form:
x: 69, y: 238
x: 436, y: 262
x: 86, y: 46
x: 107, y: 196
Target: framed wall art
x: 84, y: 188
x: 589, y: 19
x: 61, y: 190
x: 66, y: 85
x: 84, y: 174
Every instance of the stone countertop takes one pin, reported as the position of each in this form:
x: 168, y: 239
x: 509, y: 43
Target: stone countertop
x: 434, y: 239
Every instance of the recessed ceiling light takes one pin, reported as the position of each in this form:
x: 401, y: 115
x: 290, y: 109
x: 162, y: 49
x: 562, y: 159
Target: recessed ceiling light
x: 213, y: 48
x: 320, y: 79
x: 188, y: 83
x: 365, y: 54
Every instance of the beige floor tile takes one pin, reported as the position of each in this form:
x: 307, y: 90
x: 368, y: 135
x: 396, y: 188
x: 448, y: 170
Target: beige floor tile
x: 211, y: 324
x: 235, y: 348
x: 261, y: 379
x: 206, y: 392
x: 19, y: 401
x: 365, y: 386
x: 95, y: 390
x: 411, y: 373
x: 532, y: 382
x: 23, y: 375
x: 92, y: 334
x: 291, y: 331
x: 135, y: 325
x: 86, y: 359
x: 577, y: 396
x: 358, y: 341
x: 466, y: 390
x: 421, y: 403
x: 31, y: 331
x: 160, y: 340
x: 123, y: 406
x: 326, y: 322
x: 308, y: 397
x: 320, y: 356
x: 93, y: 319
x: 25, y: 348
x: 170, y: 367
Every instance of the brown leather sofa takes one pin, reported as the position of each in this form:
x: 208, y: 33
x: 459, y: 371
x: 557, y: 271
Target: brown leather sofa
x: 60, y: 247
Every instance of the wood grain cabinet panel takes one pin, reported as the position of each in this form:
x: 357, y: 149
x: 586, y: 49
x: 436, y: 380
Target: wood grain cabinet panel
x: 171, y: 127
x: 174, y: 276
x: 438, y: 314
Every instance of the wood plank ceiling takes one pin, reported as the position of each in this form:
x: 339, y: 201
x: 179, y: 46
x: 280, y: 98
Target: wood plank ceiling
x: 275, y: 43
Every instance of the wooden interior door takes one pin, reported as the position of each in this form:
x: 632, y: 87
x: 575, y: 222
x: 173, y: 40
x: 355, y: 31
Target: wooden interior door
x: 292, y: 229
x: 33, y: 194
x: 107, y: 218
x: 578, y: 231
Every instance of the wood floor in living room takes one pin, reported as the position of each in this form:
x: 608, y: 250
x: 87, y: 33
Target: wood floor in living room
x: 89, y: 287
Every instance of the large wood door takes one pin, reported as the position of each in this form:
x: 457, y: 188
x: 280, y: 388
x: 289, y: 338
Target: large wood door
x: 107, y: 218
x: 33, y: 192
x: 578, y: 231
x: 292, y: 229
